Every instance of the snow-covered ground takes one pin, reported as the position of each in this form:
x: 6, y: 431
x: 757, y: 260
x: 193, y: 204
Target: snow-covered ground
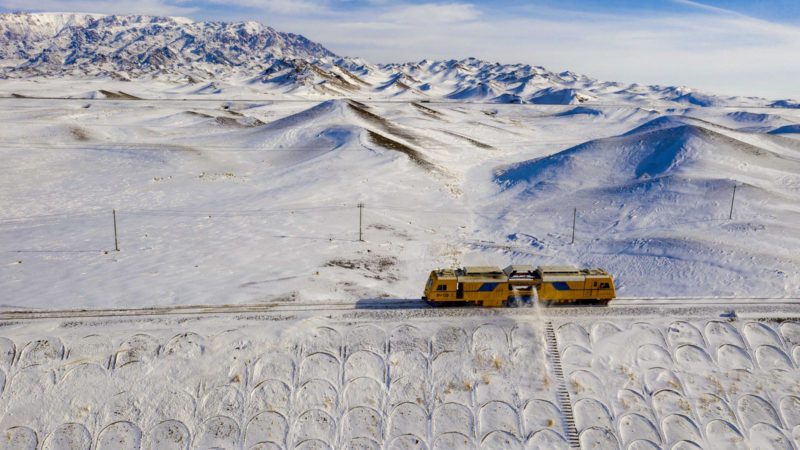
x: 631, y: 377
x: 250, y: 199
x: 237, y: 197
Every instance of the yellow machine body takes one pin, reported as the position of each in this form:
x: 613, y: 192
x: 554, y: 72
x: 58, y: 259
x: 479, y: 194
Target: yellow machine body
x: 567, y: 284
x: 484, y: 286
x: 491, y: 286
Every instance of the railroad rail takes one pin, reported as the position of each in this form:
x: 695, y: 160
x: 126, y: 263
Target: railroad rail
x: 631, y: 304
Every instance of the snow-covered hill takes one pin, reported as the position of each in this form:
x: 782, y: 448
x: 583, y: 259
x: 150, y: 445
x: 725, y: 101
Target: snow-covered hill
x: 672, y: 178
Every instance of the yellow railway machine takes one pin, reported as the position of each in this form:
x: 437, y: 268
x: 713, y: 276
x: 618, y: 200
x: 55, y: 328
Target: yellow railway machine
x: 568, y: 284
x: 491, y: 286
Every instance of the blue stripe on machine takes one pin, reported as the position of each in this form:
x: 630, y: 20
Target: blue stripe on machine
x: 487, y: 287
x: 561, y: 286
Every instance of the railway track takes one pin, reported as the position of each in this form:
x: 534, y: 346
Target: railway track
x: 702, y: 301
x: 619, y: 304
x: 276, y: 307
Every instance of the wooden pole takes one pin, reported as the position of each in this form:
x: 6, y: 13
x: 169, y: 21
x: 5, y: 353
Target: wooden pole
x: 116, y: 242
x: 360, y: 212
x: 574, y: 216
x: 730, y: 216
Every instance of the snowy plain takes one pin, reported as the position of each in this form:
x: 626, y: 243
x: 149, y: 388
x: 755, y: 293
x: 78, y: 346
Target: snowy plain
x: 220, y: 200
x: 229, y: 199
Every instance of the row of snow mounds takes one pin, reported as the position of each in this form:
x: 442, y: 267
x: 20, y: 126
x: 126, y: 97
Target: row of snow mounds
x: 493, y: 92
x: 116, y: 436
x: 266, y: 431
x: 439, y: 387
x: 686, y: 382
x: 753, y: 345
x: 142, y: 347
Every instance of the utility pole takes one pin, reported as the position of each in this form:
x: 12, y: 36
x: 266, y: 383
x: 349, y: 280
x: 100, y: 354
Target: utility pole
x: 574, y: 216
x: 730, y: 216
x: 116, y: 242
x: 360, y: 212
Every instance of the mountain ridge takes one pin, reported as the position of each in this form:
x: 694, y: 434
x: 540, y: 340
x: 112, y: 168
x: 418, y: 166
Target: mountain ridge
x: 119, y: 42
x: 180, y: 50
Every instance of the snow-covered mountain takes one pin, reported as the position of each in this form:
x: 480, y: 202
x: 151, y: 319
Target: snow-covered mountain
x: 51, y: 43
x: 214, y: 55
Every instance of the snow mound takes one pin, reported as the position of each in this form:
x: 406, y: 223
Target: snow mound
x: 580, y: 110
x: 663, y: 148
x: 553, y: 96
x: 480, y: 91
x: 750, y: 117
x: 659, y: 123
x: 698, y: 99
x: 785, y: 104
x: 787, y: 129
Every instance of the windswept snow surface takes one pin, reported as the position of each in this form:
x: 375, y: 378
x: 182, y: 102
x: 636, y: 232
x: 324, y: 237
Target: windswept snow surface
x: 457, y: 378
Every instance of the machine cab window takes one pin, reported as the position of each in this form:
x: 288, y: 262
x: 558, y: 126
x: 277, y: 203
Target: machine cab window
x: 441, y: 287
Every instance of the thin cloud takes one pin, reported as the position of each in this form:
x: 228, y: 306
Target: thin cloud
x: 143, y: 7
x: 282, y: 7
x: 710, y: 50
x: 432, y: 12
x: 705, y: 7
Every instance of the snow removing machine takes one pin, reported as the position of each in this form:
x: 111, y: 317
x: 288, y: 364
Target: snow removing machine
x: 491, y: 286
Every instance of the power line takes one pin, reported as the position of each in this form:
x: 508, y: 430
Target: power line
x: 228, y: 213
x: 246, y: 213
x: 50, y: 217
x: 204, y: 214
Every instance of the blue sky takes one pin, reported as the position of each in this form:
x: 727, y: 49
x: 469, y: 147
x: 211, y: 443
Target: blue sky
x: 727, y: 47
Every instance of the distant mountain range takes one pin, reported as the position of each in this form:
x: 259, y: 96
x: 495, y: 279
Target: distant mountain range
x: 52, y: 42
x: 209, y: 53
